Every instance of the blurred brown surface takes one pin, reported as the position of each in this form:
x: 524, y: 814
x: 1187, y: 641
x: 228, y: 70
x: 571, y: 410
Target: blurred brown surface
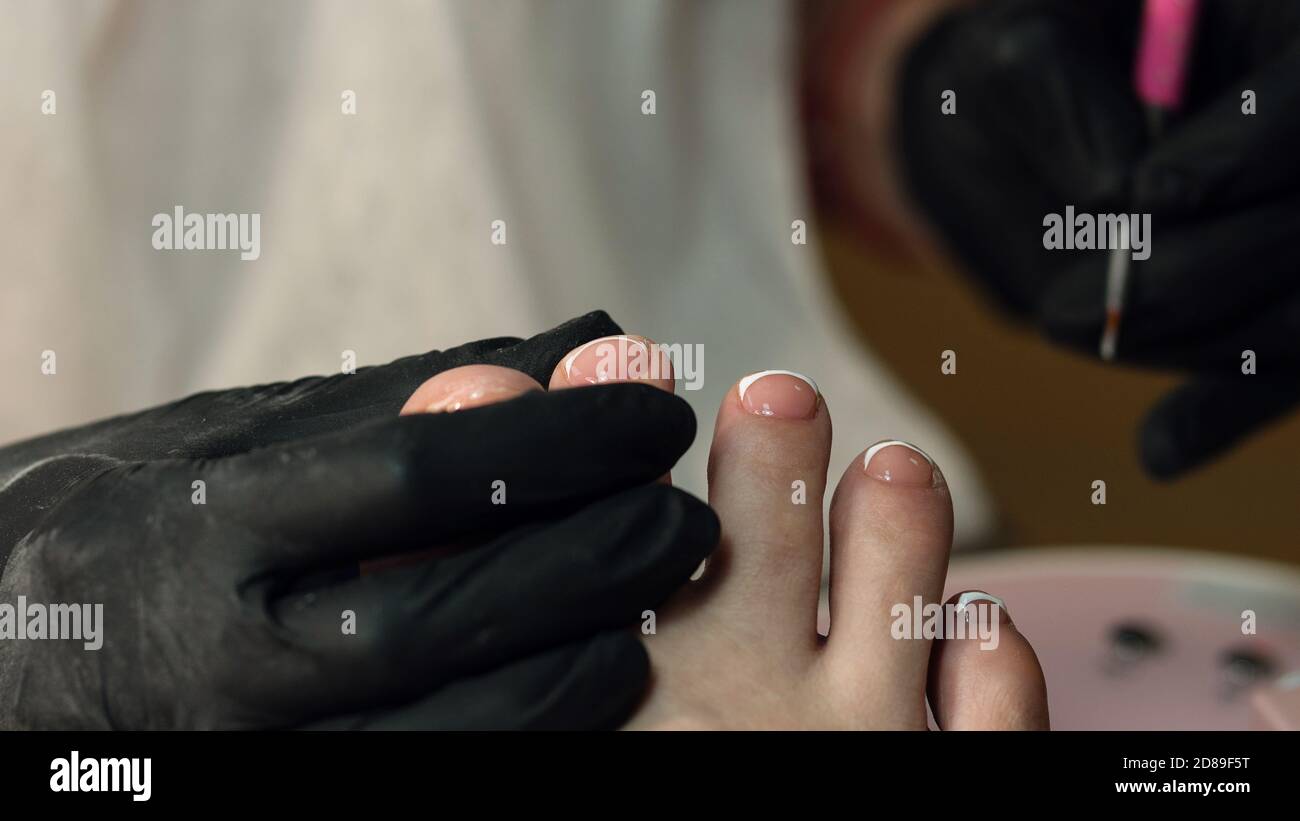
x: 1043, y: 423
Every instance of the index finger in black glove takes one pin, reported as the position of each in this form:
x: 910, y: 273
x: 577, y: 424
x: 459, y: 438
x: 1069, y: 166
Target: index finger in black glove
x: 409, y: 482
x: 1202, y: 419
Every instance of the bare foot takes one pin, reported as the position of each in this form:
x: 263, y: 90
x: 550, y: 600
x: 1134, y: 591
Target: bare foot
x: 739, y: 648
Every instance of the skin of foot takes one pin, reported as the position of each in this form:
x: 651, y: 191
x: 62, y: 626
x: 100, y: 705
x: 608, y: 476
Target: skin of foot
x: 739, y: 647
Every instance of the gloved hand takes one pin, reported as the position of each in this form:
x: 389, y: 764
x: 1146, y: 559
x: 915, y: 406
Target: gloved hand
x: 235, y: 612
x: 1047, y: 117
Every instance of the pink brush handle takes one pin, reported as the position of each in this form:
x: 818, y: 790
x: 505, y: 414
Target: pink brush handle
x: 1167, y: 27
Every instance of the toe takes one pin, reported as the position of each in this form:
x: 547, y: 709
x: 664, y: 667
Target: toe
x: 767, y: 479
x: 469, y: 386
x: 990, y: 679
x: 456, y: 389
x: 891, y: 533
x: 627, y: 358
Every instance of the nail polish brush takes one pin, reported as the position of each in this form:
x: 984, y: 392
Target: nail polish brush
x: 1159, y: 77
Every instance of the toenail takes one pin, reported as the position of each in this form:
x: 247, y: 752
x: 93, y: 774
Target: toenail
x: 972, y: 596
x: 901, y: 463
x: 779, y: 394
x: 700, y: 571
x: 619, y: 359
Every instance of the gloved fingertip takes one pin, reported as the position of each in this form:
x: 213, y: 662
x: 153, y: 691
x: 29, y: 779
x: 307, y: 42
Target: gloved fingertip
x: 662, y: 424
x: 596, y: 687
x: 1161, y: 453
x: 589, y: 326
x: 599, y: 320
x: 626, y: 657
x: 689, y: 523
x: 538, y: 355
x: 704, y: 521
x: 1200, y: 420
x: 622, y: 656
x: 1184, y: 429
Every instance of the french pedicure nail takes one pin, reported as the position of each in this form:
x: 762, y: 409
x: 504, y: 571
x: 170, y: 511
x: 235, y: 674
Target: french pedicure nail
x: 779, y: 394
x: 901, y: 463
x: 619, y: 359
x: 700, y: 571
x: 972, y: 596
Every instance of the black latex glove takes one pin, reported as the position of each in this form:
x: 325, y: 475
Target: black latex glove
x: 1047, y: 117
x: 230, y: 613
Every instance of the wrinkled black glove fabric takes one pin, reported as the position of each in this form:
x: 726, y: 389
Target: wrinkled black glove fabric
x: 1047, y: 117
x: 236, y: 612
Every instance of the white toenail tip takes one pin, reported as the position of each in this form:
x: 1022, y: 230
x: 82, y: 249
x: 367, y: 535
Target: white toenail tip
x: 972, y: 596
x: 754, y: 377
x: 871, y: 451
x: 699, y: 571
x: 568, y: 363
